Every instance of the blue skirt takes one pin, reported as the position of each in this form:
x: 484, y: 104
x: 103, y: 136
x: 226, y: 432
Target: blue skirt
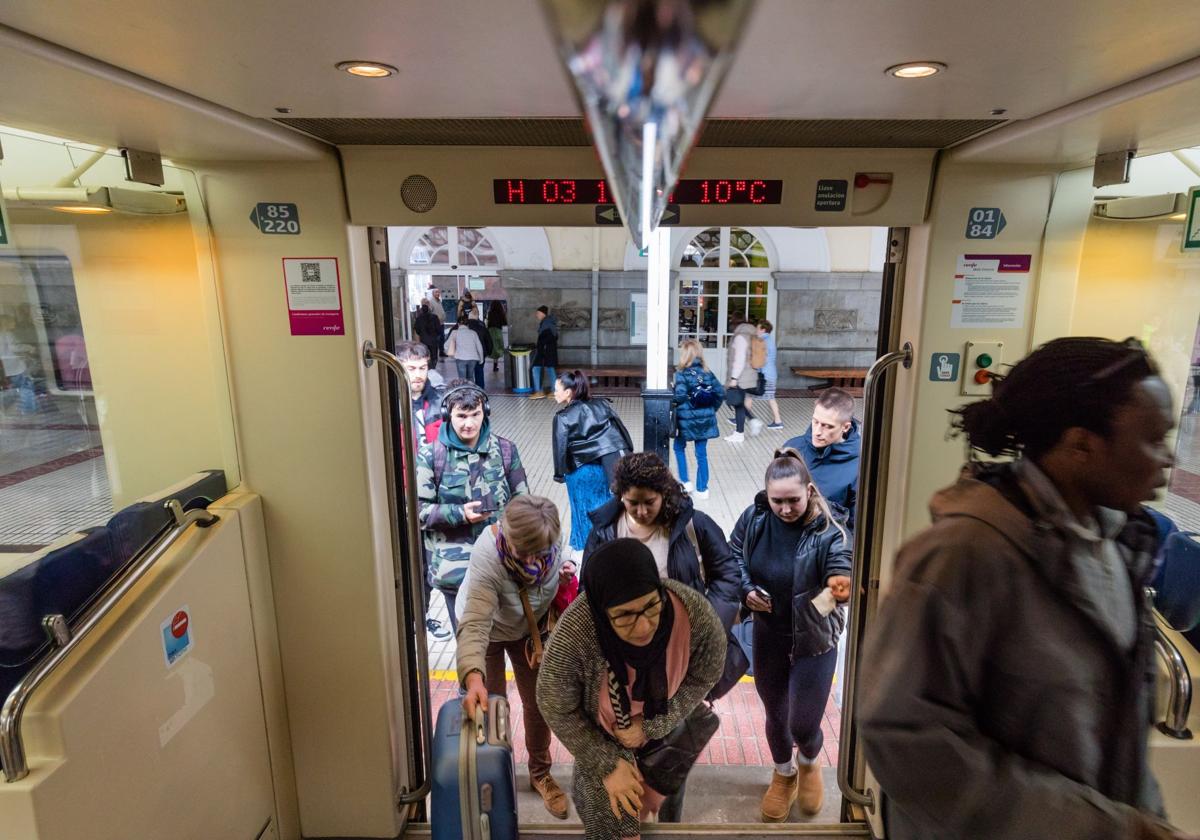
x: 587, y: 489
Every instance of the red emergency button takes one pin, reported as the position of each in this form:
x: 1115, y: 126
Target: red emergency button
x: 983, y: 377
x: 179, y: 624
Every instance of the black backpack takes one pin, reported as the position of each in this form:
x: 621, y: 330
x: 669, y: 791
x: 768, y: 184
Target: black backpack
x: 704, y: 395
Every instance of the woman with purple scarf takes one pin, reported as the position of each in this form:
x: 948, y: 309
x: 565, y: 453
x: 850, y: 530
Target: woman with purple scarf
x: 505, y: 608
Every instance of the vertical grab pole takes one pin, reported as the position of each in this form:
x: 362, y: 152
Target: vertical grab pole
x: 858, y: 594
x: 416, y: 568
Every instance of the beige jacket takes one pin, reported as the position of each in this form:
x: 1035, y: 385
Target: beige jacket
x: 737, y: 361
x: 489, y: 605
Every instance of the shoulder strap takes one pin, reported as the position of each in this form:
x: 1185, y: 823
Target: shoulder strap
x: 695, y: 541
x: 439, y: 462
x: 535, y: 635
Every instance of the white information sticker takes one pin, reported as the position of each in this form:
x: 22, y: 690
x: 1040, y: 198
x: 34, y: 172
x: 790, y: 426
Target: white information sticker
x: 990, y: 290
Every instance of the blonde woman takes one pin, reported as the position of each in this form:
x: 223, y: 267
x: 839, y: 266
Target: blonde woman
x: 698, y: 395
x: 794, y: 556
x: 510, y: 585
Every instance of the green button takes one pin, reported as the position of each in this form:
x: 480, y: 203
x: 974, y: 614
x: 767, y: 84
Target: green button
x: 983, y: 360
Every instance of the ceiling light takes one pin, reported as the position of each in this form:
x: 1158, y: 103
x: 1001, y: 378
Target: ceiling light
x: 367, y: 69
x: 82, y: 209
x: 916, y: 69
x: 1178, y: 217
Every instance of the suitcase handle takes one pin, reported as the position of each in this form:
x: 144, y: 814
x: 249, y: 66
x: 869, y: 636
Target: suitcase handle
x: 502, y: 723
x: 480, y: 731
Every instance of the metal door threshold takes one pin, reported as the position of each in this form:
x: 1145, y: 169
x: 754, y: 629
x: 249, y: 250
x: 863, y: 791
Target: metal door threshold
x: 744, y: 831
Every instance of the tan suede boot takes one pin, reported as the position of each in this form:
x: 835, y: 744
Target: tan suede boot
x: 777, y: 801
x: 810, y: 789
x: 552, y: 795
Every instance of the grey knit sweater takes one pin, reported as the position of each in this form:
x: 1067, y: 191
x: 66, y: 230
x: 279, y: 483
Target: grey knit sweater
x: 568, y: 695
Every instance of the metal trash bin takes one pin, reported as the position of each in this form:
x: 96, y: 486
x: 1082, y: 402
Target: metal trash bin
x: 517, y: 367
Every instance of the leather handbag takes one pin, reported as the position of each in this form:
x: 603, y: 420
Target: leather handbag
x: 665, y: 763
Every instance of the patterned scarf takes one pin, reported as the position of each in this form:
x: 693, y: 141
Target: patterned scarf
x: 525, y: 573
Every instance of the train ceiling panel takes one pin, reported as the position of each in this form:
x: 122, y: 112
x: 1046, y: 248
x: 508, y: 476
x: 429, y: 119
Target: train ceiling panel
x: 803, y: 73
x: 561, y: 186
x: 895, y: 134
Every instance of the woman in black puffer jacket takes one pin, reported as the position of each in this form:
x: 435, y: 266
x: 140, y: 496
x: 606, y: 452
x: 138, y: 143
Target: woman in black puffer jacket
x: 588, y: 438
x: 794, y: 556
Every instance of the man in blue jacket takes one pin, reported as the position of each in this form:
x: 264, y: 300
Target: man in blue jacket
x: 831, y: 449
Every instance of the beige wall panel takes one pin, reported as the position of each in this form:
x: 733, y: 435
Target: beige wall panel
x: 123, y: 745
x: 463, y: 177
x: 248, y: 509
x: 849, y: 249
x: 301, y: 429
x: 1024, y: 196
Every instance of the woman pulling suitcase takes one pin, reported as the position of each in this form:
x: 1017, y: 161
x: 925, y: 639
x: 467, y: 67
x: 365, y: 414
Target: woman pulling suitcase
x: 510, y: 586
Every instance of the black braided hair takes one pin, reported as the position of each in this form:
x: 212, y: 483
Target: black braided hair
x: 1065, y: 383
x: 647, y: 470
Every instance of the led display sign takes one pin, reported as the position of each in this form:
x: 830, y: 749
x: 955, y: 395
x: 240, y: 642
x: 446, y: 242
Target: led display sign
x: 596, y: 191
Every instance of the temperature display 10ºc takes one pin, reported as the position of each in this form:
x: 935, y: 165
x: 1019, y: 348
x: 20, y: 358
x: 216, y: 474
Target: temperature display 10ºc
x: 597, y: 191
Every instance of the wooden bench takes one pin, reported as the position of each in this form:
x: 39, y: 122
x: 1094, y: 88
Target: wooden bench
x: 840, y: 377
x: 615, y: 376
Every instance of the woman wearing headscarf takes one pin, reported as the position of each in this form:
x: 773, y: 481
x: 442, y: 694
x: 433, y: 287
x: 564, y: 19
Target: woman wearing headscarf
x: 505, y: 597
x: 629, y: 661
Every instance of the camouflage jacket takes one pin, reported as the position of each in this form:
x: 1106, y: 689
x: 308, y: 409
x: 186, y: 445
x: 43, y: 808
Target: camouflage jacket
x: 466, y: 476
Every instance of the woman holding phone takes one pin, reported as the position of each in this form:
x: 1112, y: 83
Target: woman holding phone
x: 794, y: 556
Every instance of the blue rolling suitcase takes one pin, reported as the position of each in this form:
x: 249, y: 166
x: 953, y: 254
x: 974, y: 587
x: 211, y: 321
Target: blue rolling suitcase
x: 474, y: 793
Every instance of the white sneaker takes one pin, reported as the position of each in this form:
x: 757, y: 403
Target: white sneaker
x: 700, y: 494
x: 755, y: 426
x: 688, y: 487
x: 736, y: 437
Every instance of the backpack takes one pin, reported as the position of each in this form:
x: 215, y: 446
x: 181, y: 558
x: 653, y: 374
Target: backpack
x: 758, y: 353
x: 440, y: 455
x: 703, y: 395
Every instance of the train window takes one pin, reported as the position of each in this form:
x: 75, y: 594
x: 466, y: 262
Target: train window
x: 112, y: 376
x: 1135, y: 280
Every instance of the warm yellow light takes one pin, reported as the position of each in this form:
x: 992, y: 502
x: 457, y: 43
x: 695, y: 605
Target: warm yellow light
x: 1178, y: 217
x: 85, y: 209
x: 368, y: 69
x: 916, y: 69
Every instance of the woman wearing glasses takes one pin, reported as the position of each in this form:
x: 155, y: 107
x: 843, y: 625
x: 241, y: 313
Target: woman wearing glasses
x: 508, y: 591
x: 794, y: 556
x: 630, y: 660
x: 1011, y: 686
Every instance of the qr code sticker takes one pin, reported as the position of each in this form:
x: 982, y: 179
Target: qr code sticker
x: 310, y: 272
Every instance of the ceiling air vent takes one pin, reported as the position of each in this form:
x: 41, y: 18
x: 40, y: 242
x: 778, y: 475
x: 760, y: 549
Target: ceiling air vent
x: 419, y: 193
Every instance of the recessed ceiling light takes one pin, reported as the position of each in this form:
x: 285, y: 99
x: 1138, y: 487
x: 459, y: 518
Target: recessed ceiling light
x: 916, y: 69
x: 367, y: 69
x: 85, y: 209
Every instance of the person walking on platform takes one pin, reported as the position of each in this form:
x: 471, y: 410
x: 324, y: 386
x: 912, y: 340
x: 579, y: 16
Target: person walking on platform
x: 467, y: 349
x: 1011, y: 687
x: 464, y: 479
x: 428, y: 329
x: 588, y: 440
x: 545, y: 354
x: 793, y: 553
x: 831, y: 448
x: 697, y: 396
x: 769, y: 369
x: 485, y: 341
x: 504, y: 608
x: 497, y: 320
x: 630, y: 660
x: 741, y: 378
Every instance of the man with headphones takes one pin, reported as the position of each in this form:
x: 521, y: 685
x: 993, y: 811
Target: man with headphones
x: 464, y: 479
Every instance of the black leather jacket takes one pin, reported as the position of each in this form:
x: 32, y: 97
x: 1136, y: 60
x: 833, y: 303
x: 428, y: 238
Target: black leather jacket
x: 586, y: 431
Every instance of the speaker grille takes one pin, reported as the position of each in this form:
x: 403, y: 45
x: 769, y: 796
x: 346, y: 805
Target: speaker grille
x: 419, y: 193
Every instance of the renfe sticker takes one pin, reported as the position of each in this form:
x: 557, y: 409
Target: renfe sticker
x: 177, y: 635
x: 314, y: 295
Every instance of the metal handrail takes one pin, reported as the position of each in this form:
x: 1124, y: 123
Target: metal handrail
x: 1179, y: 703
x: 412, y: 533
x: 12, y: 745
x: 858, y: 594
